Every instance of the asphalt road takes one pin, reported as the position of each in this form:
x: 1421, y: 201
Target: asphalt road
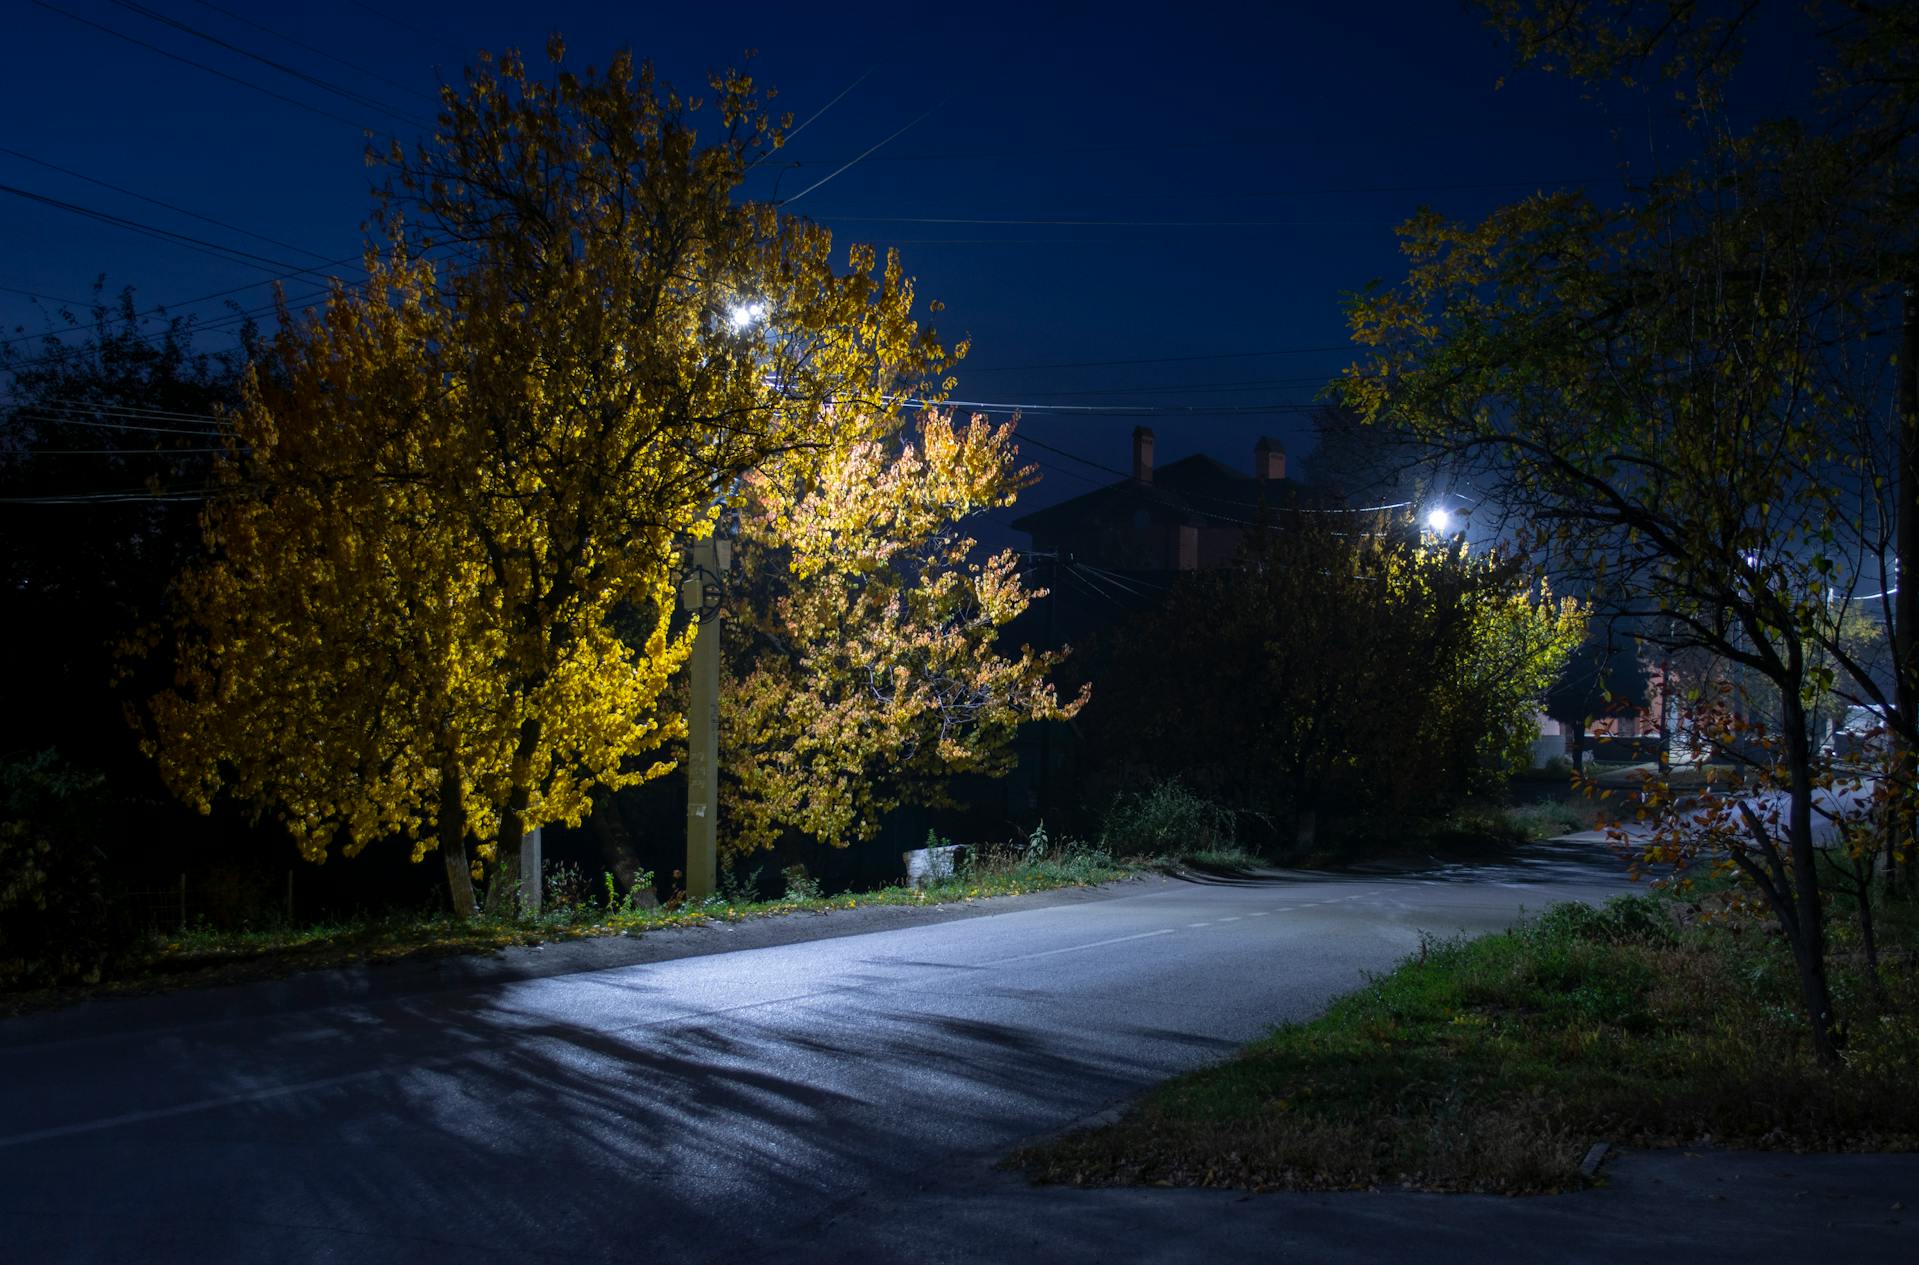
x: 820, y: 1099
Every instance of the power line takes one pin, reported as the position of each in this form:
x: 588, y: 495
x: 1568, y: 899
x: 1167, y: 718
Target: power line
x: 385, y: 14
x: 206, y: 219
x: 113, y: 410
x: 103, y: 498
x: 196, y: 326
x: 1080, y: 223
x: 48, y: 298
x: 811, y: 119
x: 323, y: 85
x: 1200, y: 387
x: 199, y: 65
x: 1126, y: 410
x: 230, y: 254
x: 851, y: 162
x: 1160, y: 360
x: 299, y: 43
x: 116, y: 452
x: 1024, y: 439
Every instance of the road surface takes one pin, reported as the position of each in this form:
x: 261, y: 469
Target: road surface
x: 836, y: 1098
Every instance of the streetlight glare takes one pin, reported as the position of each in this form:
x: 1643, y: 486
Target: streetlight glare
x: 1439, y: 520
x: 740, y: 315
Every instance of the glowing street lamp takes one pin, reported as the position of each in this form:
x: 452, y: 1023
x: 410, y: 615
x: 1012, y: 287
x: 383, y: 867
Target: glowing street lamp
x: 1439, y: 521
x: 741, y: 315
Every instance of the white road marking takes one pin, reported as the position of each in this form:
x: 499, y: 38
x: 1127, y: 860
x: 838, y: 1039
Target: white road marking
x: 209, y: 1104
x: 1234, y: 918
x: 1075, y: 948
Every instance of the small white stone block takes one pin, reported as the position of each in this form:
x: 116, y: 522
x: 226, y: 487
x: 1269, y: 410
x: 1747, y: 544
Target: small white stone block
x: 929, y: 865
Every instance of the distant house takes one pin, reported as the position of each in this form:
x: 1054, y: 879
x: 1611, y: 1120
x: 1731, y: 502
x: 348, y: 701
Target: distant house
x: 1189, y: 516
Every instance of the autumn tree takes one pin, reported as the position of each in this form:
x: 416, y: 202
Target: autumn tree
x: 468, y: 477
x: 864, y: 670
x: 1682, y: 397
x: 1345, y: 672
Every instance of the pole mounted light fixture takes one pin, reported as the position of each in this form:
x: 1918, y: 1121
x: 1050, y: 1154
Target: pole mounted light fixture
x: 1439, y: 520
x: 741, y: 315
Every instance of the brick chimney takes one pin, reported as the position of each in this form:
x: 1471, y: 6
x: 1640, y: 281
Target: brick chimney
x: 1143, y: 455
x: 1269, y: 459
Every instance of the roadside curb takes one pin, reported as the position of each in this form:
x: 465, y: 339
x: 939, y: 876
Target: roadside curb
x: 379, y: 981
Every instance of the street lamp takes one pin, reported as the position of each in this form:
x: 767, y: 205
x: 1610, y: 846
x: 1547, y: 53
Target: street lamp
x: 742, y: 315
x: 1439, y: 520
x: 702, y: 590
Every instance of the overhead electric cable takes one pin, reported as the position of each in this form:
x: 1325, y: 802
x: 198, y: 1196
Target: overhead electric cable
x: 199, y: 65
x: 346, y: 94
x: 1078, y: 223
x: 229, y: 253
x: 206, y: 219
x: 1157, y: 360
x: 321, y: 52
x: 811, y: 119
x: 852, y: 162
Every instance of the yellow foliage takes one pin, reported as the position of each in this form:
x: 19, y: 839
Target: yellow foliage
x: 863, y: 670
x: 438, y: 589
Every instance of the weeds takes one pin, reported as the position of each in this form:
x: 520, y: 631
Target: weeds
x: 1168, y: 820
x: 1492, y: 1064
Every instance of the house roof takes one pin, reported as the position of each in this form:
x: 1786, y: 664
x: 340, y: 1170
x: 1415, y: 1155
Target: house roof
x: 1197, y: 488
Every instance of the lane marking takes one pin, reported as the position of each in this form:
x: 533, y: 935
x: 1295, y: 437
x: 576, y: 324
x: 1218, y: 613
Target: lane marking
x: 210, y: 1104
x: 1234, y: 918
x: 1075, y: 948
x: 1258, y: 913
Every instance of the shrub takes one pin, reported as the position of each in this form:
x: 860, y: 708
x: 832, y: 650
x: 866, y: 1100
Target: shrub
x: 567, y: 887
x: 1621, y: 920
x: 799, y: 884
x: 56, y: 926
x: 1166, y: 818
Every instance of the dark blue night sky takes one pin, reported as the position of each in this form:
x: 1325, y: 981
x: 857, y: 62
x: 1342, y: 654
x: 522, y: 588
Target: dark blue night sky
x: 1152, y: 205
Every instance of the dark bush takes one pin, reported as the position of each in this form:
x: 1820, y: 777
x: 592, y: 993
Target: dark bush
x: 56, y: 923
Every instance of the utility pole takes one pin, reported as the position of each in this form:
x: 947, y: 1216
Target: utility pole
x: 1905, y: 601
x: 1046, y: 726
x: 530, y: 871
x: 701, y: 592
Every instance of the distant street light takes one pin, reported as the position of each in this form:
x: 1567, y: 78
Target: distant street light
x: 1439, y: 521
x: 741, y: 315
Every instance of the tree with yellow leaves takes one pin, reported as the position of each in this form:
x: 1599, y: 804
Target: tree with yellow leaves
x: 863, y: 670
x: 462, y: 477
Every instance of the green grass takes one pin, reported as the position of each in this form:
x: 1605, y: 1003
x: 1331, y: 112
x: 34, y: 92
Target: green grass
x: 1494, y: 1064
x: 203, y: 955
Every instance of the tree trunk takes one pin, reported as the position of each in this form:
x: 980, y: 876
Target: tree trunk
x: 1807, y: 931
x: 520, y: 794
x: 459, y: 875
x: 617, y: 853
x: 503, y: 891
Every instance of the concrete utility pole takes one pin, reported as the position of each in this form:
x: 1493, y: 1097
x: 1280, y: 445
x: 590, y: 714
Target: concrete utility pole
x: 1905, y: 600
x: 700, y: 593
x: 530, y: 871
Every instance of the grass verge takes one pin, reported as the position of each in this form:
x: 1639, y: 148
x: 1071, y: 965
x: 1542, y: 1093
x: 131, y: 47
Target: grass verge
x: 1493, y: 1064
x: 204, y: 956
